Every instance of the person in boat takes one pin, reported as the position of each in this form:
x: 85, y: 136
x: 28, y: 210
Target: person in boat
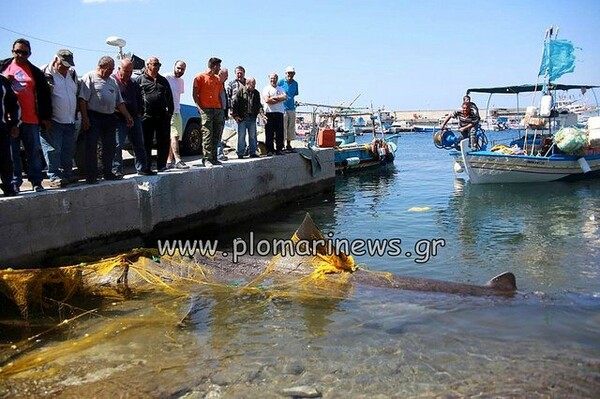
x: 468, y: 120
x: 467, y: 99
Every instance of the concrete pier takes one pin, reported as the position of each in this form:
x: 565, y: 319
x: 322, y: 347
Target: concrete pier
x: 37, y: 226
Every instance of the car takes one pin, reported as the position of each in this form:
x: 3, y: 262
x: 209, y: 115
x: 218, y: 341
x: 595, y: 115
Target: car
x: 191, y: 142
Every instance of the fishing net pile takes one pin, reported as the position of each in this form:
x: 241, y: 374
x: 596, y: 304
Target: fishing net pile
x: 120, y: 276
x: 63, y: 293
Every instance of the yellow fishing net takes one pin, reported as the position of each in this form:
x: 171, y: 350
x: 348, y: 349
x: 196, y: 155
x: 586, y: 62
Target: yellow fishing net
x: 117, y: 278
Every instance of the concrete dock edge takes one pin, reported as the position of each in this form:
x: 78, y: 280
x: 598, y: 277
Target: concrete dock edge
x: 38, y: 226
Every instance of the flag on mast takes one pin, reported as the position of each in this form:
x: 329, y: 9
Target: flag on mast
x: 558, y: 59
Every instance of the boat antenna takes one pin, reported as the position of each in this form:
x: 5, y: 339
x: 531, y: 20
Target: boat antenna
x: 353, y: 101
x: 373, y: 117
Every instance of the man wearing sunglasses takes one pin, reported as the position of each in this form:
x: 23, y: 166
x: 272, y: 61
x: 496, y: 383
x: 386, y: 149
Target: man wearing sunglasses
x: 29, y: 84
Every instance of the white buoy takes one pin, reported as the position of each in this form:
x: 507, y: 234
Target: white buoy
x: 458, y: 168
x: 583, y: 164
x: 353, y: 161
x: 594, y: 131
x: 546, y: 106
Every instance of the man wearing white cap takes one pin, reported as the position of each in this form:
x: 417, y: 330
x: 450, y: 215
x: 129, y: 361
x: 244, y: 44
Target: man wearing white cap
x: 58, y: 142
x: 289, y: 117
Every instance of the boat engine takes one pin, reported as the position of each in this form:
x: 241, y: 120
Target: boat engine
x: 447, y: 140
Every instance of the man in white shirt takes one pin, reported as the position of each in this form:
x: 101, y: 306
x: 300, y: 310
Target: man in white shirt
x: 58, y: 142
x: 177, y: 87
x: 274, y: 96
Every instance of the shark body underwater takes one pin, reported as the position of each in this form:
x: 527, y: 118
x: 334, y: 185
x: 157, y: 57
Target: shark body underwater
x: 503, y: 284
x: 142, y: 269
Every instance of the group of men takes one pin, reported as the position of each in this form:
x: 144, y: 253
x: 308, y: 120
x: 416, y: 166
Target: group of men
x: 242, y: 101
x: 39, y: 106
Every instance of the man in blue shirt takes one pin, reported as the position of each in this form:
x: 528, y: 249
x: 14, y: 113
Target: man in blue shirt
x: 289, y: 117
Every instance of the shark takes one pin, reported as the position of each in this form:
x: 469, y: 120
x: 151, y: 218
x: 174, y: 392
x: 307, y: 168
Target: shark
x: 322, y: 265
x: 144, y: 269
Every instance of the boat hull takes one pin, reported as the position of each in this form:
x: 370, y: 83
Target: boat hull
x: 357, y: 156
x: 486, y: 167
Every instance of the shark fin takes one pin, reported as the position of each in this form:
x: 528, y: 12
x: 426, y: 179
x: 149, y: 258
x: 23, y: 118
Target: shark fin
x: 503, y: 282
x: 324, y: 262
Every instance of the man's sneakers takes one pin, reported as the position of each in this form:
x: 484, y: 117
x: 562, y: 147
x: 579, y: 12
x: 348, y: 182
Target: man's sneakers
x: 57, y: 183
x: 209, y: 164
x: 112, y: 176
x: 181, y: 165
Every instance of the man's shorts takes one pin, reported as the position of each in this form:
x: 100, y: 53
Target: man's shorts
x: 176, y: 126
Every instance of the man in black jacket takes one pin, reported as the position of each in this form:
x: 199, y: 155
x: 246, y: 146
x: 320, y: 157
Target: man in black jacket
x: 32, y: 90
x: 9, y: 118
x: 158, y: 107
x: 245, y: 108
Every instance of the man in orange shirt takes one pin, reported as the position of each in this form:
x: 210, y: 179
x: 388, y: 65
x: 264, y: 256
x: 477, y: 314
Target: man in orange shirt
x: 207, y: 96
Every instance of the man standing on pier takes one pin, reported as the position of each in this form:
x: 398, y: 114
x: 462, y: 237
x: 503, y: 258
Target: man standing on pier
x: 289, y: 117
x: 225, y: 103
x: 207, y: 96
x: 157, y: 106
x: 9, y: 118
x: 99, y: 96
x: 246, y: 106
x: 130, y: 91
x: 235, y: 85
x: 177, y: 88
x: 29, y: 84
x: 58, y: 142
x: 274, y: 97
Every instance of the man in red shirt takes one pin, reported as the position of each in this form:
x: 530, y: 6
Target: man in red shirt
x: 32, y: 90
x: 207, y: 96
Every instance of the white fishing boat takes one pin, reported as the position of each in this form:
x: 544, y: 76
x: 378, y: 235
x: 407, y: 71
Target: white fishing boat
x: 551, y: 146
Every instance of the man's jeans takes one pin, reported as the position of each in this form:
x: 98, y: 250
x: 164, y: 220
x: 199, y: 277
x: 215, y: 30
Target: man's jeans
x: 136, y: 137
x: 58, y: 145
x: 247, y: 124
x: 102, y: 126
x: 29, y: 134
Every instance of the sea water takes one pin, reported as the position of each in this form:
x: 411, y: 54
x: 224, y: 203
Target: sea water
x: 370, y: 342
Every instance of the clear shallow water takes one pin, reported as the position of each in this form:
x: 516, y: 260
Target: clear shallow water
x: 369, y: 342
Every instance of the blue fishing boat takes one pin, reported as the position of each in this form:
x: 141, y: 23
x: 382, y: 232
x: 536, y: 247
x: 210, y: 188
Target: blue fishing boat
x: 378, y: 153
x: 552, y: 147
x: 338, y: 131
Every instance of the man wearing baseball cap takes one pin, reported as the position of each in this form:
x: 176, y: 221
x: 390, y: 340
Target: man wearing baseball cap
x: 289, y: 117
x: 58, y: 142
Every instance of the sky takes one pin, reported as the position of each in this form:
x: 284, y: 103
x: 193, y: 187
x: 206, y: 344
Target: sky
x: 400, y: 55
